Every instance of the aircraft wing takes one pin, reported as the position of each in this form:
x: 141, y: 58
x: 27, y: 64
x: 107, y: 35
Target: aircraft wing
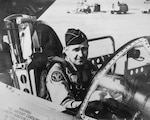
x: 18, y: 105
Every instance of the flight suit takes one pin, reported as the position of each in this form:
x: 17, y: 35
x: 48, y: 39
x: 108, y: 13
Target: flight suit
x: 67, y: 85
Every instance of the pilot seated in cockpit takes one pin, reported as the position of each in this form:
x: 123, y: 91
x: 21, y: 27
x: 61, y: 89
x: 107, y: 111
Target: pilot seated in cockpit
x: 70, y: 77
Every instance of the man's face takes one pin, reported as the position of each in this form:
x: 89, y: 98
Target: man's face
x: 77, y: 54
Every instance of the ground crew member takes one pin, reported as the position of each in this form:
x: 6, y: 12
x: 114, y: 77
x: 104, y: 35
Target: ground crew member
x: 68, y: 82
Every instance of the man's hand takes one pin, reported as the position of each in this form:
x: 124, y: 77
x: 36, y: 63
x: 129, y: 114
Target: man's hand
x: 103, y: 94
x: 116, y: 95
x: 99, y: 95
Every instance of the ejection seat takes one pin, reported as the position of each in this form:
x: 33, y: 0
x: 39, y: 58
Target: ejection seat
x: 31, y: 42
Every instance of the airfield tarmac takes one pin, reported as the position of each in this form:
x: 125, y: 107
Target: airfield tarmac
x: 122, y: 27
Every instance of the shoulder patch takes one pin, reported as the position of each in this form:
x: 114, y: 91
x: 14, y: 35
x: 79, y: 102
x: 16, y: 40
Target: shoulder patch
x: 57, y: 76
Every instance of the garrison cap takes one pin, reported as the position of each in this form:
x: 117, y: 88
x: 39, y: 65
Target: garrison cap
x: 74, y: 36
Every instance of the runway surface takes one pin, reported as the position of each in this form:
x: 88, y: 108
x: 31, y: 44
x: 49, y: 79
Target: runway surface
x: 122, y: 27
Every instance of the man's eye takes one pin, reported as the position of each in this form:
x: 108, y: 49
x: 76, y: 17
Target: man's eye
x: 84, y: 49
x: 76, y: 49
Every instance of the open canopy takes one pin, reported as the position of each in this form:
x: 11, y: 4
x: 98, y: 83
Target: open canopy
x: 29, y: 7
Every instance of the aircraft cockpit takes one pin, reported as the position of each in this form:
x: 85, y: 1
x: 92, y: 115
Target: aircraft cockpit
x: 121, y: 82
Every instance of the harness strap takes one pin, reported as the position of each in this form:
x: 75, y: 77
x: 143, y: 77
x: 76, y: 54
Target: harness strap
x: 62, y: 61
x: 36, y: 38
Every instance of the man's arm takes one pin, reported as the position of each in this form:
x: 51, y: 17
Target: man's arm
x: 58, y: 88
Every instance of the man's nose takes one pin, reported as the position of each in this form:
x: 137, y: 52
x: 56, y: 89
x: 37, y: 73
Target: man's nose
x: 80, y: 53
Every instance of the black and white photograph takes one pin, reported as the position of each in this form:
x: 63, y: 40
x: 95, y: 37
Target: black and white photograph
x: 75, y: 59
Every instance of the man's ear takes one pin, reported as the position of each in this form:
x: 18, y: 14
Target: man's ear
x: 65, y: 50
